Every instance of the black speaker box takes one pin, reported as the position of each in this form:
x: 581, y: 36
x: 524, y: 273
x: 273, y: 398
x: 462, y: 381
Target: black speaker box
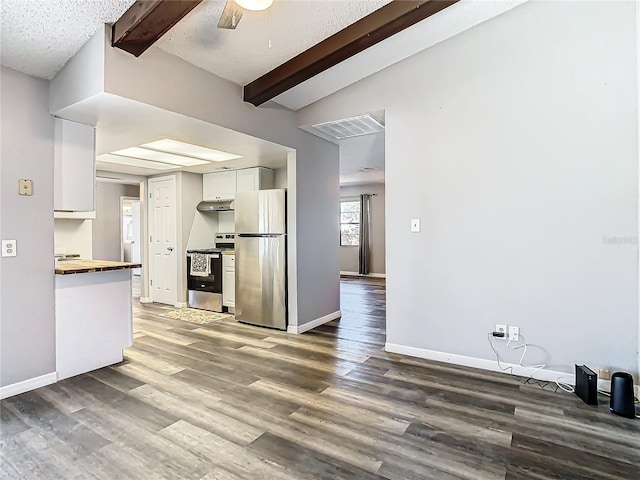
x: 622, y: 401
x: 586, y: 385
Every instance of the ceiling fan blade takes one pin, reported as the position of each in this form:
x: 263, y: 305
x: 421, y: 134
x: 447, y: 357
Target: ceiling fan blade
x: 231, y: 15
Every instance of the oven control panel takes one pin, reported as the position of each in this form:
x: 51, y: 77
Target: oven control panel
x: 225, y: 240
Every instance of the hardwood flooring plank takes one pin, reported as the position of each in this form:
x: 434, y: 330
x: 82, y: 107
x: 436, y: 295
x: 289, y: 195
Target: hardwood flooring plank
x: 239, y: 395
x: 152, y: 361
x: 316, y: 465
x: 125, y: 404
x: 62, y: 398
x: 435, y: 418
x: 238, y: 460
x: 302, y: 347
x: 582, y: 463
x: 235, y: 337
x: 320, y: 402
x: 140, y: 448
x: 115, y: 379
x: 186, y: 359
x: 337, y: 367
x: 484, y: 395
x: 38, y: 454
x: 197, y: 415
x: 400, y: 453
x: 278, y: 369
x: 290, y: 429
x: 221, y: 474
x: 621, y: 437
x: 10, y: 423
x: 42, y: 415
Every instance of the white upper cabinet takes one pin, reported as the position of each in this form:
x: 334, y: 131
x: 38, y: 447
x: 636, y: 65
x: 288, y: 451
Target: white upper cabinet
x: 219, y: 186
x: 74, y: 167
x: 258, y: 178
x: 224, y: 185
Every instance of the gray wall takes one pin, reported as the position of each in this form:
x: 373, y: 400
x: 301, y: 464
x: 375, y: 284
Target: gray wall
x: 522, y: 163
x: 349, y: 255
x: 106, y: 226
x: 190, y: 192
x: 27, y: 326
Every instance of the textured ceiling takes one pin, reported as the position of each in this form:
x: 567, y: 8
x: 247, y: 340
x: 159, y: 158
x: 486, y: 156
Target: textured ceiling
x: 243, y: 54
x: 39, y: 36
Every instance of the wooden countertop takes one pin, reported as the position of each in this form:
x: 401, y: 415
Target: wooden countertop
x: 228, y: 252
x: 85, y: 266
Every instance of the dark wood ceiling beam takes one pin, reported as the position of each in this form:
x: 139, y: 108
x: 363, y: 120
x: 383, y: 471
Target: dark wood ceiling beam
x: 366, y: 32
x: 146, y: 21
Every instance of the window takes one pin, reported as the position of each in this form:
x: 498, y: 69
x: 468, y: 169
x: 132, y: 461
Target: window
x: 349, y: 223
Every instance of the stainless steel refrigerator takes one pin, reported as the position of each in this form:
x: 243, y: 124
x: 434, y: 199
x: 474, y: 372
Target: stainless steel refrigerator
x: 261, y: 267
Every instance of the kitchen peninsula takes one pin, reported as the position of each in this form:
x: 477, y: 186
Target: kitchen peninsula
x: 93, y: 308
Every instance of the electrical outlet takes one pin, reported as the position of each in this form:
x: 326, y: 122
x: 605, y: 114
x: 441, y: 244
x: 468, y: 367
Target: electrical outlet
x: 9, y: 248
x: 514, y: 333
x: 502, y: 329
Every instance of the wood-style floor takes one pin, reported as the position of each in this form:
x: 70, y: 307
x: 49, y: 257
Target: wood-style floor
x: 230, y: 401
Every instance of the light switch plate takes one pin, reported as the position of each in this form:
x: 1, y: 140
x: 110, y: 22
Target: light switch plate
x: 415, y: 224
x: 9, y: 248
x: 514, y: 334
x: 25, y: 186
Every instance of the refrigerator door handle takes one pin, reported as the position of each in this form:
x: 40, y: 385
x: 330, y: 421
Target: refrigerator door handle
x: 260, y: 235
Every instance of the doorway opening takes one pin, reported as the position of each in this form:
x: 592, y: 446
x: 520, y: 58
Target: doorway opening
x: 130, y: 230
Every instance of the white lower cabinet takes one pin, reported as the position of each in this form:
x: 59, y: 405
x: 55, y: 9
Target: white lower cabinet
x: 93, y: 320
x: 229, y: 281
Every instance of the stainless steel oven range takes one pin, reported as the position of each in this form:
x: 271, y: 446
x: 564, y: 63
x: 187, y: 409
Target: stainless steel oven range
x: 204, y: 279
x: 204, y: 273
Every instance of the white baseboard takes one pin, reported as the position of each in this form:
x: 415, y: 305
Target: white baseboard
x: 27, y: 385
x: 295, y: 329
x: 491, y: 365
x: 146, y: 300
x: 180, y: 305
x: 372, y: 275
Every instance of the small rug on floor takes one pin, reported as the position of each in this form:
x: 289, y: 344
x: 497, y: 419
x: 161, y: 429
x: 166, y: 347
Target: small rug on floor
x: 194, y: 315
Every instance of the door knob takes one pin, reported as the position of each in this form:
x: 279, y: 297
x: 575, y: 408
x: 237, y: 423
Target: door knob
x: 170, y: 249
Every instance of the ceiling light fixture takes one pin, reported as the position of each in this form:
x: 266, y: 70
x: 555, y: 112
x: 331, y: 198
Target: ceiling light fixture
x: 164, y: 157
x: 254, y: 5
x: 196, y: 151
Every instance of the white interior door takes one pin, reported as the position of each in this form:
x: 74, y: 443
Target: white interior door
x: 135, y: 243
x: 163, y: 276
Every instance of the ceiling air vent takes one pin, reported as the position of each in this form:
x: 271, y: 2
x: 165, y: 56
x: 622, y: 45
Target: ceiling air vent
x: 350, y: 127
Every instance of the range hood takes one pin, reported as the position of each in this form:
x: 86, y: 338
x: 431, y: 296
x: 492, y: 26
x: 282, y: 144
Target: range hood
x: 221, y: 206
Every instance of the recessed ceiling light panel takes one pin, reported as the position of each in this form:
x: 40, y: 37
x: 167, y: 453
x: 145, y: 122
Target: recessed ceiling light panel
x: 164, y: 157
x: 181, y: 148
